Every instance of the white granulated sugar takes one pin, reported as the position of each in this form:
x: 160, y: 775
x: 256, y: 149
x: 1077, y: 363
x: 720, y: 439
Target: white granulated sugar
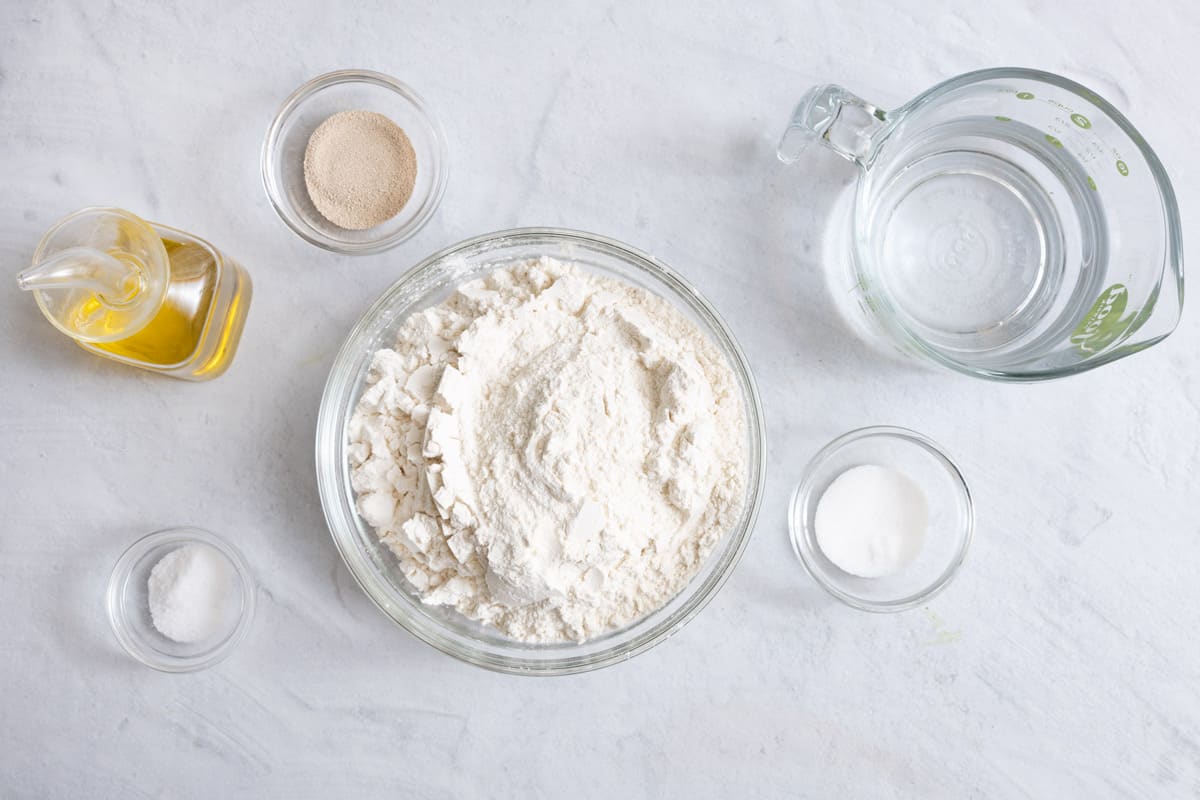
x: 871, y: 521
x: 549, y: 452
x: 188, y: 593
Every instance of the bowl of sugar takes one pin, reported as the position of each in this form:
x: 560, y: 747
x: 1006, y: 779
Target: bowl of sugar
x: 180, y: 600
x: 882, y: 519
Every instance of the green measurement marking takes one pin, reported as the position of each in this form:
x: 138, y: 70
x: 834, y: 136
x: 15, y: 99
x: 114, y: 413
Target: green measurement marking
x: 1103, y: 323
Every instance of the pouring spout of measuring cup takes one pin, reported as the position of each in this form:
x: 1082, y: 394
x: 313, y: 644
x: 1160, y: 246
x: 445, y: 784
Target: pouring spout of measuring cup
x: 84, y: 268
x: 839, y: 120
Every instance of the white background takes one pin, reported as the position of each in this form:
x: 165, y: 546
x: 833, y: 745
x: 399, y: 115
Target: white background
x: 1064, y: 660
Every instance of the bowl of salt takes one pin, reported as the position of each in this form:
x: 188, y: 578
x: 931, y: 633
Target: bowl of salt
x: 882, y: 519
x: 180, y: 600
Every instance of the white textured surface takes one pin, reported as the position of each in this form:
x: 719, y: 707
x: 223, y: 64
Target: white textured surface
x: 1064, y: 662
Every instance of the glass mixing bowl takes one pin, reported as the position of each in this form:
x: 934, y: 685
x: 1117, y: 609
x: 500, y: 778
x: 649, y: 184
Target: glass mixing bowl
x: 374, y: 566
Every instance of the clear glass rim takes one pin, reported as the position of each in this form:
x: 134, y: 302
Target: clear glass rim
x: 1173, y: 259
x: 337, y: 503
x: 271, y: 181
x: 151, y: 301
x: 802, y: 497
x: 114, y: 599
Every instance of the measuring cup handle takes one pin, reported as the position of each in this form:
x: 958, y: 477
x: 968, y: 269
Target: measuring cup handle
x: 843, y: 122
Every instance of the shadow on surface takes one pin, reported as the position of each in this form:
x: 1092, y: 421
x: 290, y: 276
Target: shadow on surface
x: 807, y: 241
x: 81, y: 625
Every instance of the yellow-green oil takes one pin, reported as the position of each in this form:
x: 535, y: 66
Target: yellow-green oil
x: 195, y: 333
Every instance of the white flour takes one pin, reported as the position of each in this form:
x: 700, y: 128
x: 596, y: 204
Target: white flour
x: 549, y: 452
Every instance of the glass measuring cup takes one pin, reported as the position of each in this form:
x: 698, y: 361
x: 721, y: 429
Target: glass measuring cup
x: 1008, y: 223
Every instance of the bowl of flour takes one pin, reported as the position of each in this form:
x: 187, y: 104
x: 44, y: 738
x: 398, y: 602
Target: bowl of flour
x: 540, y: 451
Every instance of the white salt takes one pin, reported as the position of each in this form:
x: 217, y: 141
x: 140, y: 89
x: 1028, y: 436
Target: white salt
x: 871, y: 521
x: 189, y: 591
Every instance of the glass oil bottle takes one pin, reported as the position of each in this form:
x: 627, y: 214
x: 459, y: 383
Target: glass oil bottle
x: 140, y: 293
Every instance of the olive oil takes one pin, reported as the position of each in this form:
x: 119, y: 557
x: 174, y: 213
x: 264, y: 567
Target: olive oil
x: 197, y: 327
x: 141, y: 293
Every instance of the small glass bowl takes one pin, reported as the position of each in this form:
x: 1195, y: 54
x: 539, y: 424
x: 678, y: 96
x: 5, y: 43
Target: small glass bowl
x: 312, y: 104
x: 951, y: 517
x: 129, y: 610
